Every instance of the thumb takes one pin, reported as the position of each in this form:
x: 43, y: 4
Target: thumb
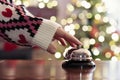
x: 51, y: 48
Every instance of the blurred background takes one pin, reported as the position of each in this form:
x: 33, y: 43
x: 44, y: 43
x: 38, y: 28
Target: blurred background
x: 94, y: 22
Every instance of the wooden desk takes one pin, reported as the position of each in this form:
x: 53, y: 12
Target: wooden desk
x: 52, y: 70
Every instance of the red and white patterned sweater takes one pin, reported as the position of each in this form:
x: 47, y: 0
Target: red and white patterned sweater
x: 19, y: 26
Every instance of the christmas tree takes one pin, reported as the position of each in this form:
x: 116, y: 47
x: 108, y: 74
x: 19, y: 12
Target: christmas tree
x: 87, y: 20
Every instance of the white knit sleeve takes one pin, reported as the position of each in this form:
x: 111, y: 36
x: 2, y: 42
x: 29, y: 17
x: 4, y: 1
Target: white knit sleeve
x: 45, y: 33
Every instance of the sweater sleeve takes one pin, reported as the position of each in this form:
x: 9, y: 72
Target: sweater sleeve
x: 19, y: 26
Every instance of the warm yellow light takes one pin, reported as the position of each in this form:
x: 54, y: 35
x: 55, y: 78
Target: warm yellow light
x: 77, y: 26
x: 69, y: 27
x: 53, y: 18
x: 110, y: 29
x: 92, y: 41
x: 72, y: 26
x: 86, y: 4
x: 41, y: 5
x: 95, y: 51
x: 89, y: 28
x: 78, y: 4
x: 57, y: 55
x: 97, y: 59
x: 63, y: 22
x: 70, y: 7
x: 86, y: 43
x: 54, y: 3
x: 26, y: 3
x: 105, y: 19
x: 39, y: 0
x: 69, y: 20
x: 112, y: 43
x: 85, y: 28
x: 45, y: 1
x: 101, y: 38
x: 74, y: 16
x: 49, y: 5
x: 108, y: 55
x: 81, y: 16
x: 115, y: 37
x: 89, y: 15
x: 97, y: 16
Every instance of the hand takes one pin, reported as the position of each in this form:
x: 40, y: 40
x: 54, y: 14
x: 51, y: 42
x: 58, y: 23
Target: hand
x: 63, y: 37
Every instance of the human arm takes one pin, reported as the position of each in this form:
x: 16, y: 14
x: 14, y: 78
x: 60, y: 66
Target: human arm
x: 22, y: 28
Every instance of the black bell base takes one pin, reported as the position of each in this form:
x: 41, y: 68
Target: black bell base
x: 78, y: 64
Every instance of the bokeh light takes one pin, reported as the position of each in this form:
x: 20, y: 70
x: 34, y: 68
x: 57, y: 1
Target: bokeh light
x: 92, y: 41
x: 41, y: 5
x: 86, y: 4
x: 115, y: 37
x: 95, y: 51
x: 101, y: 38
x: 70, y: 7
x: 57, y: 55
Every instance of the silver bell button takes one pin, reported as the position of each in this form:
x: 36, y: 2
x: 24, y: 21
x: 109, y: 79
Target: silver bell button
x: 78, y: 58
x: 79, y: 54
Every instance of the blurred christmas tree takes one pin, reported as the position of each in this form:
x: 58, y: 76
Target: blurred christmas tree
x: 87, y: 20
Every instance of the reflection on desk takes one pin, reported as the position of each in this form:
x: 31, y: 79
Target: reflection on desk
x: 52, y: 70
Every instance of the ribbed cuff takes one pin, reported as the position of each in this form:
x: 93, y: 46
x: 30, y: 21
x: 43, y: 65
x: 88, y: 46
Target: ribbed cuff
x: 45, y: 33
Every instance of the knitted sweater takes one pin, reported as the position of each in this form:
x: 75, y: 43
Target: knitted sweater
x: 19, y: 26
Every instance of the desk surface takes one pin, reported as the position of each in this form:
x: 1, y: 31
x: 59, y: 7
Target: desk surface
x: 52, y: 70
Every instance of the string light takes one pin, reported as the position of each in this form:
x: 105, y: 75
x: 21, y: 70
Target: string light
x: 112, y: 22
x: 97, y: 59
x: 115, y: 37
x: 69, y: 20
x: 72, y: 32
x: 70, y: 7
x: 101, y: 38
x: 53, y: 18
x: 41, y: 5
x: 97, y: 16
x: 89, y: 15
x: 78, y: 4
x: 105, y: 19
x: 85, y: 28
x: 110, y: 29
x: 77, y: 26
x: 108, y: 55
x: 63, y: 22
x: 86, y: 43
x: 57, y: 55
x: 95, y: 51
x: 114, y: 58
x: 49, y: 5
x: 45, y: 1
x: 116, y: 50
x: 86, y: 4
x: 54, y: 3
x: 92, y: 41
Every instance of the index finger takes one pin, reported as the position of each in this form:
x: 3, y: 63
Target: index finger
x: 70, y: 38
